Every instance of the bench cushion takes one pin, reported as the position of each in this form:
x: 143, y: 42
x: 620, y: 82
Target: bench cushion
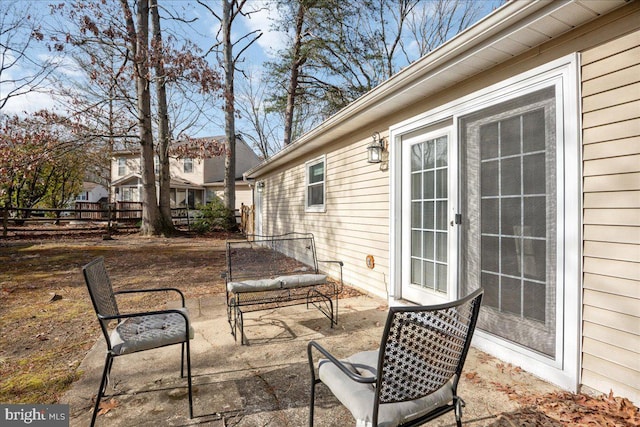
x: 301, y: 280
x: 281, y: 282
x: 253, y: 285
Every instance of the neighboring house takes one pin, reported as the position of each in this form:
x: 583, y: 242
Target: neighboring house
x: 512, y: 162
x: 92, y: 192
x: 193, y: 181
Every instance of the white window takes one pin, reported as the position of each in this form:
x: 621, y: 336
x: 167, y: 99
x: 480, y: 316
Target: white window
x: 122, y: 166
x: 129, y: 194
x: 315, y: 185
x: 187, y: 165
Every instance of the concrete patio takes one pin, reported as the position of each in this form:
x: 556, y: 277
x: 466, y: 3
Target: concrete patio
x: 267, y: 382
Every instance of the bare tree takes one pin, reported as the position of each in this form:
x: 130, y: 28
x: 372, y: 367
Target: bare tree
x: 433, y: 23
x: 112, y: 50
x: 224, y: 47
x: 138, y: 41
x: 164, y: 136
x: 20, y: 72
x: 298, y: 58
x: 251, y: 104
x: 341, y: 50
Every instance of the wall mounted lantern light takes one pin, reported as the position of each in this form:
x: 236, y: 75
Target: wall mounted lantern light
x: 375, y: 149
x: 260, y: 186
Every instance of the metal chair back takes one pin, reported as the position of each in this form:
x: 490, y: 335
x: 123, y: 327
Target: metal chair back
x: 101, y: 292
x: 423, y: 348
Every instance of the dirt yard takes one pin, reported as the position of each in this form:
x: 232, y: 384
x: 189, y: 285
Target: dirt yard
x: 47, y: 323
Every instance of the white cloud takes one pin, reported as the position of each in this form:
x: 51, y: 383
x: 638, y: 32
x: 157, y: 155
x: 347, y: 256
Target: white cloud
x: 30, y: 102
x: 262, y: 20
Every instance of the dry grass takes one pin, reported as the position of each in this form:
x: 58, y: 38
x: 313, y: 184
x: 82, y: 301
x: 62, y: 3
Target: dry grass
x: 47, y: 323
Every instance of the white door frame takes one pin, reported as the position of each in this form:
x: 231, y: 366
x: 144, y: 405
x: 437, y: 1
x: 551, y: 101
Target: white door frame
x: 564, y: 72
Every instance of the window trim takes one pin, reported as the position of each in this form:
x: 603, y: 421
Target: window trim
x: 122, y: 166
x: 307, y: 166
x: 187, y: 161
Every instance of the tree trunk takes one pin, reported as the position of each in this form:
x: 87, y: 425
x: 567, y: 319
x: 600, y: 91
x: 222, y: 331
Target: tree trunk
x: 151, y: 222
x: 164, y: 138
x: 296, y: 62
x: 230, y: 128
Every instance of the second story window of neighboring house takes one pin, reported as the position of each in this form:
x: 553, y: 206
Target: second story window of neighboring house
x: 122, y: 166
x: 315, y: 177
x: 83, y: 197
x: 188, y: 165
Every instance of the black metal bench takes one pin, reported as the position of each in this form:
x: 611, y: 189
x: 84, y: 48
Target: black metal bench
x: 266, y: 272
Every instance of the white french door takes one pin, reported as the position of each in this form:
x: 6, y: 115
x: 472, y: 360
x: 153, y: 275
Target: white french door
x: 486, y: 191
x: 428, y: 213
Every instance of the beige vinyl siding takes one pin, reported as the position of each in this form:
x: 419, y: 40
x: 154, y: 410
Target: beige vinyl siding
x: 356, y: 221
x: 611, y: 203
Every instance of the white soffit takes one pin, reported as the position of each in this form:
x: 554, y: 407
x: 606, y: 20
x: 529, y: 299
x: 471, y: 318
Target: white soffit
x: 507, y: 32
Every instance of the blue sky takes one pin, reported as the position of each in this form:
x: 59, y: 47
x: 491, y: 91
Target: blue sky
x: 203, y: 33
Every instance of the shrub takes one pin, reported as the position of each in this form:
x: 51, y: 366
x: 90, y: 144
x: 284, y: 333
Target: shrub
x: 214, y: 216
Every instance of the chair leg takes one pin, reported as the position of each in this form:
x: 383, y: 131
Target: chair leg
x: 182, y: 361
x: 189, y: 379
x: 108, y: 376
x: 459, y: 404
x: 312, y: 402
x: 103, y: 384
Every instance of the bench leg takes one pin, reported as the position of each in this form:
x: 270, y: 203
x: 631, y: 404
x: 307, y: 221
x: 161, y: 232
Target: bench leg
x: 240, y: 324
x: 232, y: 317
x: 324, y: 303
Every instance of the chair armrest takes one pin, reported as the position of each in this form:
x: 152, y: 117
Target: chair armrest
x: 341, y: 264
x: 334, y: 261
x: 134, y: 291
x: 340, y: 365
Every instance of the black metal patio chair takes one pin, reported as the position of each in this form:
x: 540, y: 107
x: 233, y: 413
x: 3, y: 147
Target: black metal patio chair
x: 135, y: 332
x: 413, y: 377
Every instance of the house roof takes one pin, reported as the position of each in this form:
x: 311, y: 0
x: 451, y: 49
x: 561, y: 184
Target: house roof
x: 246, y: 158
x: 88, y: 186
x: 177, y: 182
x: 244, y: 151
x: 132, y: 178
x: 509, y: 31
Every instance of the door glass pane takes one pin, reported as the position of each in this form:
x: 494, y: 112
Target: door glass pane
x: 416, y: 186
x: 416, y: 271
x: 428, y: 215
x: 429, y: 204
x: 429, y: 244
x: 428, y: 180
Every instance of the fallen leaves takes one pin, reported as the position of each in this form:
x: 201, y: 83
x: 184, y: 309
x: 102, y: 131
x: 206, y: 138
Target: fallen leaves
x: 473, y: 377
x: 508, y: 368
x: 572, y: 409
x: 106, y: 406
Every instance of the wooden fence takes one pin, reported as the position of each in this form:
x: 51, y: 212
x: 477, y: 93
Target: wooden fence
x: 247, y: 219
x: 101, y: 215
x: 83, y: 216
